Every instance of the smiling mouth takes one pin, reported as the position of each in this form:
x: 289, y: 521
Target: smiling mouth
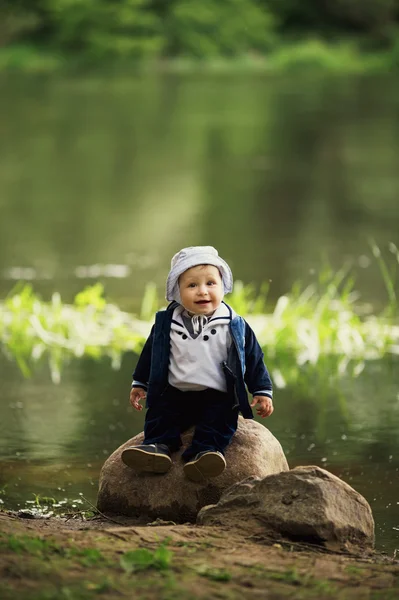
x: 203, y: 302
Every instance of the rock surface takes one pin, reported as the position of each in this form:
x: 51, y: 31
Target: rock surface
x: 254, y: 451
x: 305, y: 504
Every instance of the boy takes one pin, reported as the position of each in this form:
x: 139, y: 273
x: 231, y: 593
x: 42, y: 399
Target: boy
x: 193, y: 370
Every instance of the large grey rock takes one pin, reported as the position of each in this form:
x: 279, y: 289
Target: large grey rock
x: 305, y: 504
x: 254, y: 451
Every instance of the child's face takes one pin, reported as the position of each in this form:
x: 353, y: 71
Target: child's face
x: 201, y: 289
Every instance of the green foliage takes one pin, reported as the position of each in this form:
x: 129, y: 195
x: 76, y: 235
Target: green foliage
x: 37, y: 546
x: 245, y: 299
x: 335, y: 16
x: 297, y: 15
x: 315, y: 588
x: 394, y: 55
x: 43, y: 500
x: 149, y: 304
x: 102, y: 29
x: 353, y: 570
x: 29, y: 58
x: 389, y: 274
x: 315, y: 54
x: 93, y: 31
x: 224, y: 28
x: 30, y: 328
x: 88, y: 557
x: 306, y: 326
x: 91, y: 296
x: 290, y: 576
x: 17, y: 20
x: 143, y: 558
x: 28, y: 545
x: 371, y: 15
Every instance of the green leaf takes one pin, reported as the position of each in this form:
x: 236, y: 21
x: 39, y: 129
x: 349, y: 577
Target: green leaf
x: 162, y: 557
x: 136, y: 560
x: 91, y: 296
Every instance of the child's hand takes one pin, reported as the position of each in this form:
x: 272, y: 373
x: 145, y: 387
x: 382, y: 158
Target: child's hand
x: 265, y: 405
x: 136, y: 395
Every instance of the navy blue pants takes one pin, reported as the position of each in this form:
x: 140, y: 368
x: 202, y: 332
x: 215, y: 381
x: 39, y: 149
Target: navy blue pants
x: 210, y: 411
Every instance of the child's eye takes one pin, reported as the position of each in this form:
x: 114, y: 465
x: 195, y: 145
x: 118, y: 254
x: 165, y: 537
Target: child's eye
x: 211, y: 283
x: 192, y: 285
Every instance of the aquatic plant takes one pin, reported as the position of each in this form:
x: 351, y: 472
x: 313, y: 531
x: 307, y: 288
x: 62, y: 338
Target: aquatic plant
x: 32, y: 330
x: 322, y: 321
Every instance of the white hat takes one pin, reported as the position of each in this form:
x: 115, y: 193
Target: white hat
x: 191, y: 257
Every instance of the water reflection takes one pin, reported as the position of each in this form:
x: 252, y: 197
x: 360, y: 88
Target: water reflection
x: 276, y: 172
x: 54, y: 439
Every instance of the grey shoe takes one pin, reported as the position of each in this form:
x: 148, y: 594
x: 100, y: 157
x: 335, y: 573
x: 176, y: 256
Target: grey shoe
x: 204, y: 465
x: 148, y: 458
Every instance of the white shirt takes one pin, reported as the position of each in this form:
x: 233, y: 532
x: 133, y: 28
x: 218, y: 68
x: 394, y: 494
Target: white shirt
x: 196, y: 364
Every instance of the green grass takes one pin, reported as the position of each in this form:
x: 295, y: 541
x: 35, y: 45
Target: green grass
x: 317, y: 324
x: 313, y: 585
x: 143, y: 559
x: 43, y: 548
x: 81, y: 565
x: 213, y: 573
x: 391, y: 594
x: 354, y: 571
x: 35, y: 546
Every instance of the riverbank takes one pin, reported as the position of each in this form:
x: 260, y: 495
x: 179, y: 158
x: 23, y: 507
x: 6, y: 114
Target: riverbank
x: 316, y: 325
x: 314, y: 55
x: 59, y: 559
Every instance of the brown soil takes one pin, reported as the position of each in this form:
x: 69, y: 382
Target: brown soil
x: 56, y: 559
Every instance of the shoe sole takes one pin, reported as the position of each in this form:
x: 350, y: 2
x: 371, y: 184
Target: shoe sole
x: 208, y: 465
x: 146, y: 462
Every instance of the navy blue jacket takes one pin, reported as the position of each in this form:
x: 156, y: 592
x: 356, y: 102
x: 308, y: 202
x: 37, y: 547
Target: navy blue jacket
x: 244, y: 363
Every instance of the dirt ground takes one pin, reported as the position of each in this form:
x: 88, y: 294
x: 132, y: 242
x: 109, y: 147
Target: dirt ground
x: 57, y: 559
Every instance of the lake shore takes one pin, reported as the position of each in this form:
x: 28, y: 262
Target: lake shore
x: 57, y: 558
x: 312, y: 54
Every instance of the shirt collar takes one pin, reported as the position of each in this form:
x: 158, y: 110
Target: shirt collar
x: 222, y: 314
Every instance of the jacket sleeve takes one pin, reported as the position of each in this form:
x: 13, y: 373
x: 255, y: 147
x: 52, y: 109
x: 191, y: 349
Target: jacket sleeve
x: 256, y: 375
x: 141, y: 373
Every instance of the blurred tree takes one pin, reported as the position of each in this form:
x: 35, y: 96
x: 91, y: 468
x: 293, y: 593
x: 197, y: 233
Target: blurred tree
x: 339, y: 16
x: 366, y: 14
x: 378, y: 18
x: 225, y: 27
x: 101, y: 28
x: 17, y: 20
x: 297, y: 15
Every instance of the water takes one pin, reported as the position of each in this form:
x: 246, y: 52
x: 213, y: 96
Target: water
x: 107, y: 178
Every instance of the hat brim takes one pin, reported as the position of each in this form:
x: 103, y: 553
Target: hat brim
x: 194, y: 261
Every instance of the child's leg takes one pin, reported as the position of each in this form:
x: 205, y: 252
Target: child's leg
x: 216, y: 423
x: 165, y: 421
